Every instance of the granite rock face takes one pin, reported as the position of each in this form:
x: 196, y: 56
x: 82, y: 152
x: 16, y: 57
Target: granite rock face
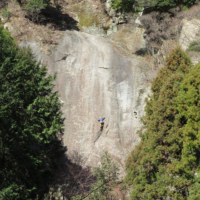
x: 190, y: 32
x: 96, y: 79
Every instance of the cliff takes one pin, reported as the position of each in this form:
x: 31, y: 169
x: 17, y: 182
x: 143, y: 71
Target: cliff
x: 96, y: 78
x: 103, y: 70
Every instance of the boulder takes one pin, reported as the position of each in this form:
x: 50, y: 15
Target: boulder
x: 8, y: 26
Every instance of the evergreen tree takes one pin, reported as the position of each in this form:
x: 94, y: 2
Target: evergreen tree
x: 30, y: 119
x: 25, y: 2
x: 34, y: 8
x: 154, y: 168
x: 188, y: 103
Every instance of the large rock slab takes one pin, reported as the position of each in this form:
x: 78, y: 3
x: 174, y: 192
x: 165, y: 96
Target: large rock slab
x: 189, y: 32
x: 96, y: 79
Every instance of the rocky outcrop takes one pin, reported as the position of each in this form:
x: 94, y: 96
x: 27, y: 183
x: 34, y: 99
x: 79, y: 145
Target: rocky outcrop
x: 190, y: 33
x: 96, y: 78
x: 97, y: 17
x: 131, y: 38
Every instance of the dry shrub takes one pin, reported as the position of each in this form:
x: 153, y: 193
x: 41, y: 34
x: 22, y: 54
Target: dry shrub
x: 121, y: 193
x: 3, y: 3
x: 162, y: 26
x: 49, y: 33
x: 72, y: 177
x: 148, y: 58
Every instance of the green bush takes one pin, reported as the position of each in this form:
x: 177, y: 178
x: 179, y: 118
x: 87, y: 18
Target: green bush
x: 194, y: 46
x: 5, y: 13
x: 136, y: 5
x: 34, y: 9
x: 185, y: 8
x: 36, y: 5
x: 127, y: 5
x: 194, y: 193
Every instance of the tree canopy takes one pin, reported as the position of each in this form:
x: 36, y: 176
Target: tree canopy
x: 166, y: 162
x: 30, y: 121
x: 137, y: 5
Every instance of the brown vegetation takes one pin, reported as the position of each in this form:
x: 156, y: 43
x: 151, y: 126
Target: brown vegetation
x: 72, y: 178
x: 3, y: 3
x: 163, y: 30
x: 49, y: 28
x: 162, y: 26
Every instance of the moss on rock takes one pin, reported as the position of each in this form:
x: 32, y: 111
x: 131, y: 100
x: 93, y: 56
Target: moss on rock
x: 86, y: 15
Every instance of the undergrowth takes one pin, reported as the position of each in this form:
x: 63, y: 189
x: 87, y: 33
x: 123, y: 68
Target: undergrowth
x: 194, y: 46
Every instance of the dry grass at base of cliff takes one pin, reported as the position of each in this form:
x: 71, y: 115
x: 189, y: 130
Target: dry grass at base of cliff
x: 120, y: 193
x: 72, y: 178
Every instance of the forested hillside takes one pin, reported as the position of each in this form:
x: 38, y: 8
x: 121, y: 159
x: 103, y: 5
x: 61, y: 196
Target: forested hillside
x: 166, y: 162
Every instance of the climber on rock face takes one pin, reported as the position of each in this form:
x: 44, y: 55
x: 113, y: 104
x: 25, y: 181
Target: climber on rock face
x: 101, y: 122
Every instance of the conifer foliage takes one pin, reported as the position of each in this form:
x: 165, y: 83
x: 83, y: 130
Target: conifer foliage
x: 30, y: 119
x: 162, y: 165
x: 164, y: 5
x: 189, y: 108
